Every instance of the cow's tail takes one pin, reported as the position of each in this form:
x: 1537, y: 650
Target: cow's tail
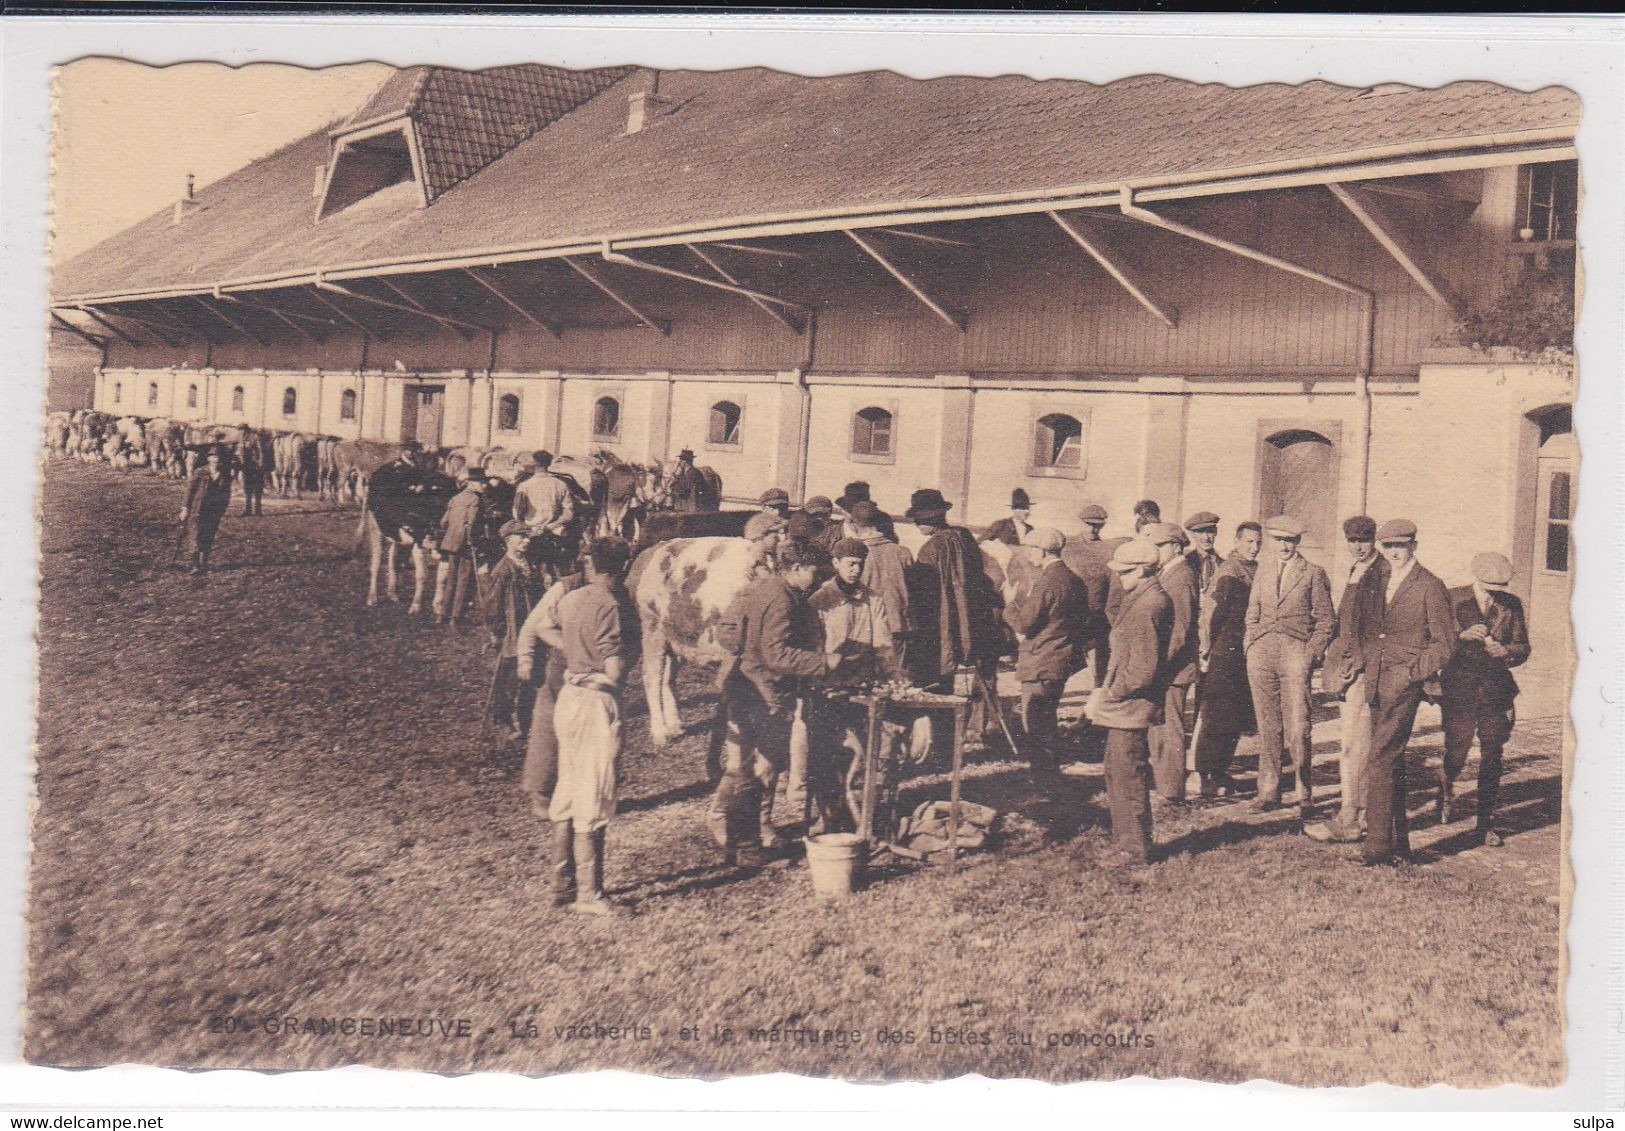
x: 360, y: 546
x: 714, y: 742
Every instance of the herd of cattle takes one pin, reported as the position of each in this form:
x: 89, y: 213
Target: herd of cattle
x: 691, y: 563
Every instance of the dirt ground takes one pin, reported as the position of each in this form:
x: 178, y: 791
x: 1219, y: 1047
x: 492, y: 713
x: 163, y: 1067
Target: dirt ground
x: 267, y: 818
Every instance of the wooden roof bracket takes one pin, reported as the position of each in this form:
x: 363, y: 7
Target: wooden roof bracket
x: 1376, y: 220
x: 345, y: 315
x: 185, y: 326
x: 787, y: 315
x: 100, y: 321
x: 148, y: 324
x: 773, y: 304
x: 464, y: 330
x: 100, y: 343
x: 286, y: 318
x: 512, y: 303
x: 229, y: 320
x: 587, y: 273
x: 1366, y: 346
x: 1099, y: 248
x: 954, y: 318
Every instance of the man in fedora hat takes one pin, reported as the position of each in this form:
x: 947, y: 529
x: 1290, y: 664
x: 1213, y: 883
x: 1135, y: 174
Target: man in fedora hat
x: 1403, y: 636
x: 454, y: 542
x: 775, y: 500
x: 1289, y: 625
x: 858, y: 492
x: 1130, y: 699
x: 1013, y: 529
x: 956, y: 609
x: 208, y: 497
x: 1477, y: 684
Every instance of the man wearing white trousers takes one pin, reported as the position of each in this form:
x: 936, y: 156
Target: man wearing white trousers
x: 600, y: 644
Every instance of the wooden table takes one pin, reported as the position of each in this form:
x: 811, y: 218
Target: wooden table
x: 876, y: 704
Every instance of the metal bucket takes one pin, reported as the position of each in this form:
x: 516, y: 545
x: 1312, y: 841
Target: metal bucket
x: 835, y: 861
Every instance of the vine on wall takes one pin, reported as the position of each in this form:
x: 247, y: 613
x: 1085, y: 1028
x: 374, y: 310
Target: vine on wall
x: 1533, y: 314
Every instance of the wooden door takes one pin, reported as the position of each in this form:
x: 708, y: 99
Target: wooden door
x: 422, y: 412
x: 1298, y: 477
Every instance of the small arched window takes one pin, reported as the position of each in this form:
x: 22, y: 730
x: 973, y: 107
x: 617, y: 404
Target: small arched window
x: 237, y: 399
x: 606, y: 419
x: 290, y: 402
x: 347, y: 405
x: 508, y: 413
x: 118, y: 391
x: 725, y: 416
x: 872, y: 432
x: 152, y: 392
x: 191, y: 396
x: 1058, y: 441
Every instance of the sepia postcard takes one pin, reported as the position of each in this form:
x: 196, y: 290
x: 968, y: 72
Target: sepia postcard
x: 720, y: 571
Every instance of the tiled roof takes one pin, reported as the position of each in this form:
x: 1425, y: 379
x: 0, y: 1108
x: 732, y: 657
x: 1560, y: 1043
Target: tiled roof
x: 743, y: 145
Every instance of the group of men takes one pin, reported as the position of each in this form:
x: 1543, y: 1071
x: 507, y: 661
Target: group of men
x: 1173, y: 634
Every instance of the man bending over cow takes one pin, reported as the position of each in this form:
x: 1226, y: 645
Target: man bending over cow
x: 777, y: 644
x: 598, y: 631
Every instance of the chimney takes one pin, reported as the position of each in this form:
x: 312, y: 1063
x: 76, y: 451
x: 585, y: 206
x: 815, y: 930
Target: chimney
x: 644, y: 106
x: 187, y: 203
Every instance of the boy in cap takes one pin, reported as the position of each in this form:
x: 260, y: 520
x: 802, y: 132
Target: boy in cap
x: 599, y: 641
x: 454, y: 542
x: 1477, y: 683
x: 509, y: 595
x: 885, y: 568
x: 1404, y: 636
x: 1168, y: 735
x: 1289, y: 625
x: 1203, y: 528
x: 1052, y: 618
x: 1344, y: 677
x: 1013, y: 529
x: 1130, y: 699
x: 860, y: 634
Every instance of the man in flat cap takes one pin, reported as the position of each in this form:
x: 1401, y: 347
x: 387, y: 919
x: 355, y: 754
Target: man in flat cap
x: 860, y: 633
x: 1087, y: 556
x: 1289, y: 625
x: 1013, y: 529
x: 1343, y: 675
x: 1478, y: 689
x: 454, y: 541
x: 1131, y: 697
x: 1052, y: 621
x: 1203, y: 529
x: 509, y: 595
x: 956, y: 608
x: 1404, y: 636
x: 1178, y: 581
x: 1224, y: 698
x: 775, y: 500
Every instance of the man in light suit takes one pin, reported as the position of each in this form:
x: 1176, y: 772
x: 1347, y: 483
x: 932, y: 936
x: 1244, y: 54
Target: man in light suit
x: 1478, y: 687
x: 1167, y: 737
x: 1404, y: 640
x: 1289, y: 625
x: 1131, y: 697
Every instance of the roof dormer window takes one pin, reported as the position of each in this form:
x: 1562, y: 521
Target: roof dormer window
x: 377, y: 166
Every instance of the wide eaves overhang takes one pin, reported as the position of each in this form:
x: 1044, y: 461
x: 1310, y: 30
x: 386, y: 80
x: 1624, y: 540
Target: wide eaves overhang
x: 1410, y: 159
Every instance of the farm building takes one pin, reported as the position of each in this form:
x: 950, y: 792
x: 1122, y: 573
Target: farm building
x: 1239, y: 300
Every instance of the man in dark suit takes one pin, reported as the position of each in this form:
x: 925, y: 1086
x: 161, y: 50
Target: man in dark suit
x: 1203, y: 528
x: 208, y: 495
x: 1343, y: 677
x: 1167, y: 736
x: 1053, y: 621
x: 1403, y: 640
x: 1131, y: 698
x: 1087, y: 556
x: 1479, y: 690
x: 1013, y: 529
x: 1224, y: 700
x: 1289, y: 625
